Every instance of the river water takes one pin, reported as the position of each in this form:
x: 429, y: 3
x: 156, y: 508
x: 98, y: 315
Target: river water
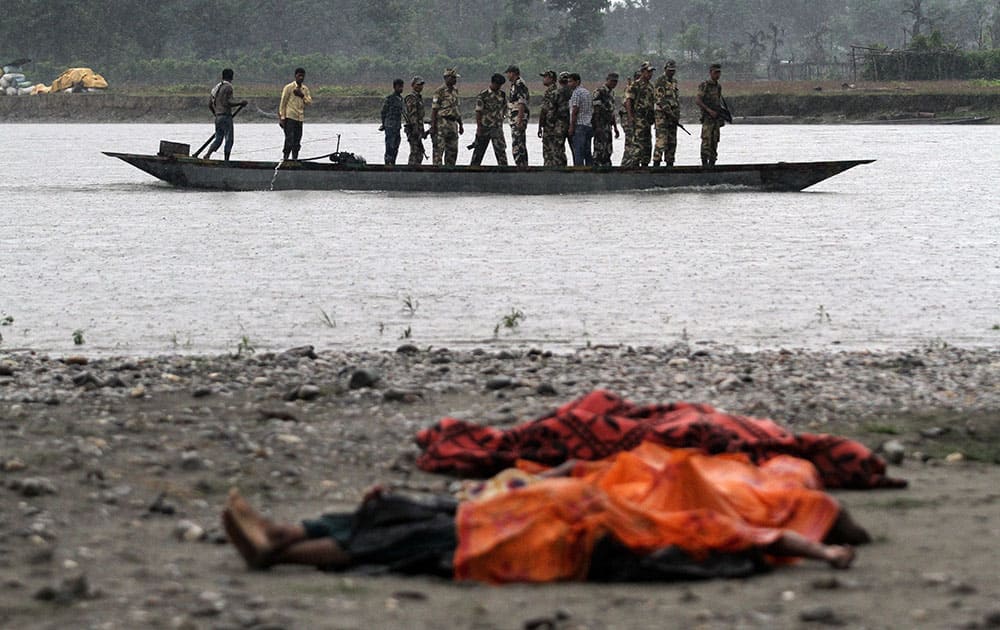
x: 901, y: 253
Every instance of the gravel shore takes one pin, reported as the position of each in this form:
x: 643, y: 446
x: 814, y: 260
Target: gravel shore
x: 114, y: 471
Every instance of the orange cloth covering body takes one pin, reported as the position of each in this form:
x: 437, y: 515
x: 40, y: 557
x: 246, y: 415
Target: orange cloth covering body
x: 648, y: 498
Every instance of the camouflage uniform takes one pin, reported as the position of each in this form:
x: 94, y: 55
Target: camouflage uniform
x: 710, y: 93
x: 448, y: 116
x: 667, y: 114
x: 493, y: 106
x: 603, y: 122
x: 643, y: 103
x: 518, y: 143
x: 413, y: 124
x: 623, y: 121
x: 553, y: 145
x: 557, y: 129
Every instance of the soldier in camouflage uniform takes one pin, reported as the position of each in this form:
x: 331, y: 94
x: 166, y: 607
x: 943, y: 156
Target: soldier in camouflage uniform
x: 413, y: 121
x: 623, y: 116
x: 604, y: 120
x: 446, y: 120
x: 709, y: 101
x: 491, y: 111
x: 518, y: 100
x: 560, y: 128
x: 667, y: 114
x: 640, y: 103
x: 553, y: 122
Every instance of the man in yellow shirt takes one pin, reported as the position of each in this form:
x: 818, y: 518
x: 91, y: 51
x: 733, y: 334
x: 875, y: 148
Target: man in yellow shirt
x: 291, y: 113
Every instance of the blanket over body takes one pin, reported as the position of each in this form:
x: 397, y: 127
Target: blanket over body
x: 601, y: 424
x: 647, y: 499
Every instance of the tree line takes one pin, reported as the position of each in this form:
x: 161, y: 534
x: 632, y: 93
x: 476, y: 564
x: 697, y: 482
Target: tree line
x: 150, y: 42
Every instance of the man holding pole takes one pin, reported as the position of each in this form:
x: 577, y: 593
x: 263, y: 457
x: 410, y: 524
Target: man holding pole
x: 221, y: 103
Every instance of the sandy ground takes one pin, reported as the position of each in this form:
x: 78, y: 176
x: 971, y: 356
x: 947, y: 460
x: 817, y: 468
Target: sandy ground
x: 104, y: 461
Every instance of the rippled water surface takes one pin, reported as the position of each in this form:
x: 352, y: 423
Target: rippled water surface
x: 902, y: 252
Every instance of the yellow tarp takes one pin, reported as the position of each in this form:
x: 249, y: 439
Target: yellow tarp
x: 82, y: 76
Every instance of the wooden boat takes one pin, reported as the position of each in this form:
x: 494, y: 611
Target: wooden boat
x: 928, y: 120
x: 190, y: 172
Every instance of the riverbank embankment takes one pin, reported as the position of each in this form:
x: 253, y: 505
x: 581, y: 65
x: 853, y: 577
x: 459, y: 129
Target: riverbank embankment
x: 818, y: 107
x: 115, y: 470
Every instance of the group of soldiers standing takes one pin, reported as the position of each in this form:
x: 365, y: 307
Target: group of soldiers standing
x: 647, y: 105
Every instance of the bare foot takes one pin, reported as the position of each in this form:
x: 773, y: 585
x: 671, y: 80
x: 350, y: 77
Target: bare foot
x: 253, y: 526
x: 840, y: 556
x: 255, y: 558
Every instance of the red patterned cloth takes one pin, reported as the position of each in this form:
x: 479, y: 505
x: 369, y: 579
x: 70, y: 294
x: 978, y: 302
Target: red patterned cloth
x: 601, y: 424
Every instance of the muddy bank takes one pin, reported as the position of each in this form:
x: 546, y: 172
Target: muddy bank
x: 112, y: 473
x: 821, y: 107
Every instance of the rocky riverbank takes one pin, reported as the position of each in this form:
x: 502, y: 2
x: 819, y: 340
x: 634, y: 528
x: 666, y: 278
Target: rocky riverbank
x: 842, y: 106
x: 112, y: 473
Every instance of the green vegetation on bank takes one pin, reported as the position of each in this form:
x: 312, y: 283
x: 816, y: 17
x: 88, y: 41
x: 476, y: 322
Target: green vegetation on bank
x: 270, y: 67
x: 359, y: 41
x: 923, y: 63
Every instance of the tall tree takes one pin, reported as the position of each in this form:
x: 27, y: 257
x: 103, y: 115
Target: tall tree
x: 581, y: 23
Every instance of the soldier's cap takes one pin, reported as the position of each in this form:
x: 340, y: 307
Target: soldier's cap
x: 451, y: 72
x: 646, y: 66
x: 670, y: 65
x: 548, y: 73
x: 417, y: 80
x: 715, y: 66
x: 612, y: 75
x: 513, y: 68
x: 563, y: 76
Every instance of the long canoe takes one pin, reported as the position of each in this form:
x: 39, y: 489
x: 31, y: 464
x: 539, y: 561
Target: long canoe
x: 928, y: 120
x: 190, y: 172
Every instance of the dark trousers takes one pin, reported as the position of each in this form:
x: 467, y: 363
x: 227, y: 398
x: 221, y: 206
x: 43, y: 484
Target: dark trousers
x: 483, y: 140
x: 392, y: 139
x: 582, y: 137
x: 293, y: 138
x: 223, y: 131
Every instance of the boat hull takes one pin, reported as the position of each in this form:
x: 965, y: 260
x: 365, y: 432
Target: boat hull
x: 187, y: 172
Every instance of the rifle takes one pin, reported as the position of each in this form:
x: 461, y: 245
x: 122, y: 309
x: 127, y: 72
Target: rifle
x: 682, y: 128
x: 724, y: 111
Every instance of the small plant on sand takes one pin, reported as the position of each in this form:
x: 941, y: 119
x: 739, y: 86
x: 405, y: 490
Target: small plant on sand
x: 78, y: 337
x: 327, y: 320
x: 245, y: 347
x: 407, y: 333
x: 5, y: 319
x: 823, y: 314
x: 510, y: 321
x: 381, y: 328
x: 996, y: 326
x: 410, y: 305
